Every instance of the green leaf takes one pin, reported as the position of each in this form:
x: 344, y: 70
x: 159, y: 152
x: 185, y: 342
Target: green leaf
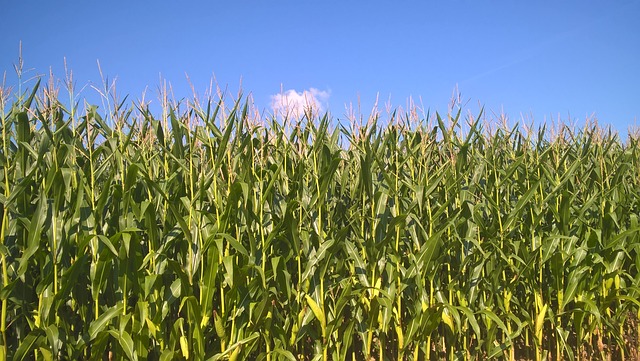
x: 167, y: 355
x: 317, y: 311
x: 234, y: 346
x: 489, y: 314
x: 573, y: 281
x: 34, y: 235
x: 360, y: 267
x: 101, y: 323
x: 53, y: 338
x: 30, y: 342
x: 284, y: 353
x: 126, y: 342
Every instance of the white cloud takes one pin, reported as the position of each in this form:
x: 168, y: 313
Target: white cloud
x: 293, y: 103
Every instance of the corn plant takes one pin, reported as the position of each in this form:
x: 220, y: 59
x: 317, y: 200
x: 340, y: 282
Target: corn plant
x: 210, y: 232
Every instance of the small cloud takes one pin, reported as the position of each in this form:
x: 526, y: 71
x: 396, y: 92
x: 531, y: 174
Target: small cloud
x: 293, y: 103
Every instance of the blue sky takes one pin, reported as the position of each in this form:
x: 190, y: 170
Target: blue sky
x: 542, y: 60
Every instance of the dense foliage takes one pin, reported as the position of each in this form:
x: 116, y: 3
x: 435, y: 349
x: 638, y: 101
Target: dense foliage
x: 205, y: 233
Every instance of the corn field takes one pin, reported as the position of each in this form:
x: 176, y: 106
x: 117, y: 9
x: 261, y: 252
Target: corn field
x: 209, y: 233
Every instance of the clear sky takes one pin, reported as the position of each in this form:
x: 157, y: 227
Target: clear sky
x: 537, y: 59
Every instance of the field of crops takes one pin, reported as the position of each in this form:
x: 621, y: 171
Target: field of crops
x: 206, y: 232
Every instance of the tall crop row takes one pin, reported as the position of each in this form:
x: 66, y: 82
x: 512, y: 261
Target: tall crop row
x: 205, y: 233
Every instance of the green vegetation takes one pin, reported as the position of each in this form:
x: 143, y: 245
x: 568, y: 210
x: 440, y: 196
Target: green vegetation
x: 208, y: 233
